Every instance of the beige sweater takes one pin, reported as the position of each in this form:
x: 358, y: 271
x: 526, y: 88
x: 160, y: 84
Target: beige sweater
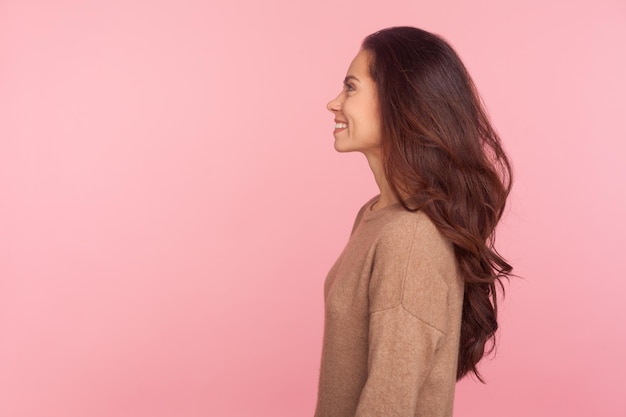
x: 393, y: 307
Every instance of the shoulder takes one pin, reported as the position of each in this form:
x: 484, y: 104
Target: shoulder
x: 415, y: 230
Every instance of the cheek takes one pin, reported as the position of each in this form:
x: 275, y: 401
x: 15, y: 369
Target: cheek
x: 375, y: 126
x: 374, y: 115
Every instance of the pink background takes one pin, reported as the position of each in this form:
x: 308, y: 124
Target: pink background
x: 171, y: 201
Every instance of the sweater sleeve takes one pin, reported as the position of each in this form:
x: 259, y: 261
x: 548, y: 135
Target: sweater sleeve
x: 401, y: 352
x: 408, y: 318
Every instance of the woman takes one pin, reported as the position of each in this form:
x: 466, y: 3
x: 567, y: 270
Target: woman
x: 411, y: 302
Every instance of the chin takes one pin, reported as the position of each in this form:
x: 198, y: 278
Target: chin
x: 342, y: 149
x: 342, y: 146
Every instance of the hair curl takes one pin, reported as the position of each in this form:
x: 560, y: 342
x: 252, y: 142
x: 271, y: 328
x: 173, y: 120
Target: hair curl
x: 442, y: 156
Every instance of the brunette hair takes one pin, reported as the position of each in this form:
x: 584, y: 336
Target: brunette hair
x: 442, y: 156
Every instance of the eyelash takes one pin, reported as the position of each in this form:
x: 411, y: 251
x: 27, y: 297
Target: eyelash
x: 348, y: 87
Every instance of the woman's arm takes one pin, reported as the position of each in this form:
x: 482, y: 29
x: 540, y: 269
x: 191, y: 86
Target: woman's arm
x: 413, y: 329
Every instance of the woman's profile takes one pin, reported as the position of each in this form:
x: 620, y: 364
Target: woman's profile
x: 410, y: 304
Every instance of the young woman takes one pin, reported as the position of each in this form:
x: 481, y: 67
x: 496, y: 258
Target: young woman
x: 410, y: 305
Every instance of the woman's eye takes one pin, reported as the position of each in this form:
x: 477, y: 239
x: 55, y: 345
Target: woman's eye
x: 348, y: 87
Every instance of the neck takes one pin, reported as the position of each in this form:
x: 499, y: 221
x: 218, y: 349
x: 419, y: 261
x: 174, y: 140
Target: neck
x: 387, y: 196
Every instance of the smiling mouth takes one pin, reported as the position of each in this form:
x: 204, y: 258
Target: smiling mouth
x: 341, y: 125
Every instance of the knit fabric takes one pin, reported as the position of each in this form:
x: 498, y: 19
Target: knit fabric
x: 393, y: 303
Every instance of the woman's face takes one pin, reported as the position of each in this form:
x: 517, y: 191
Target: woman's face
x: 357, y: 119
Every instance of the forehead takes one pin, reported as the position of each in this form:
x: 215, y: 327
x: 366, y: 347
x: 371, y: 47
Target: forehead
x: 360, y: 64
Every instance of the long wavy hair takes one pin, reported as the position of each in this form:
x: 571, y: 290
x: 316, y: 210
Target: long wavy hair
x: 442, y: 156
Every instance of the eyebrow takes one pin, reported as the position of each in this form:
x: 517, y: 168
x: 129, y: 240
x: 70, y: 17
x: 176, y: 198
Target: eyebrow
x: 350, y: 77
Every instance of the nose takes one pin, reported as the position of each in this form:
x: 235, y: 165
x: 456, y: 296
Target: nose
x: 334, y: 104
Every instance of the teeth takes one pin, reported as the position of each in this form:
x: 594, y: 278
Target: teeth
x: 340, y: 125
